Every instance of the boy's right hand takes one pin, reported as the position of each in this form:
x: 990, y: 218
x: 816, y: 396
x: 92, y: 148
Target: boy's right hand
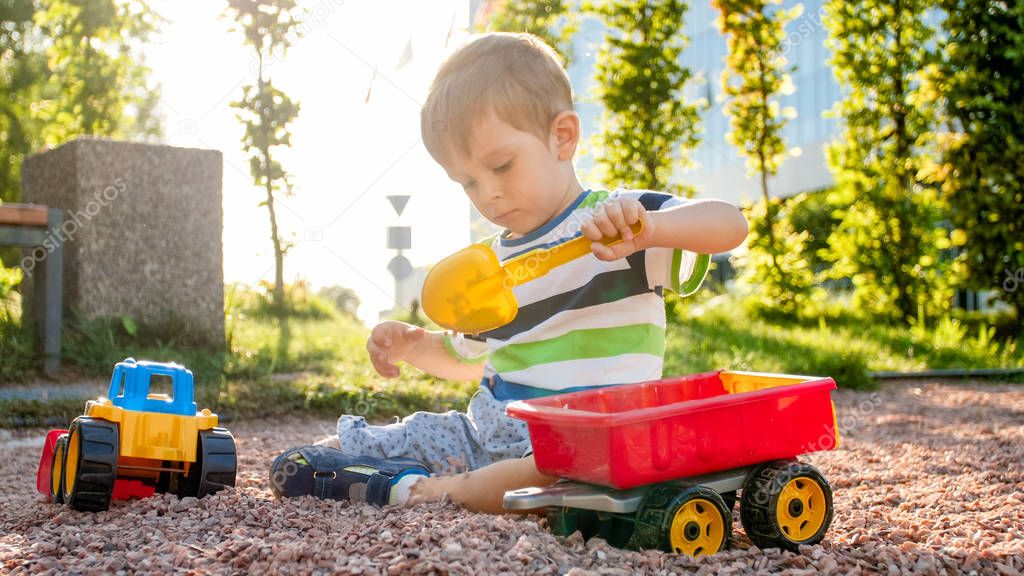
x: 392, y: 342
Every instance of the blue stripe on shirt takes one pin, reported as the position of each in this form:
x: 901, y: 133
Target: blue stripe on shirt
x: 502, y: 390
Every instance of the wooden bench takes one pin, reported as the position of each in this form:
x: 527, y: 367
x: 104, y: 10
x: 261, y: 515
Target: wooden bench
x: 37, y: 227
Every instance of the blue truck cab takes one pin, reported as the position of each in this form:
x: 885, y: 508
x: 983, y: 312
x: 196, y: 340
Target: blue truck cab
x: 132, y: 380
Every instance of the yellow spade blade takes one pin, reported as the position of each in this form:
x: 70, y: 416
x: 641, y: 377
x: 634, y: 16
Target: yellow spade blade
x: 471, y: 292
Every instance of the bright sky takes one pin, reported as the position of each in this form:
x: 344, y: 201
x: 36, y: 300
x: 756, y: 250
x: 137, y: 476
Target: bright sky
x: 347, y: 155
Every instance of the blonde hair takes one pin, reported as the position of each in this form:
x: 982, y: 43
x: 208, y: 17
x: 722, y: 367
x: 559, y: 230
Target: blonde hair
x: 516, y: 76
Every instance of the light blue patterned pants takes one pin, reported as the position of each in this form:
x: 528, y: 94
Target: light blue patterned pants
x: 448, y: 442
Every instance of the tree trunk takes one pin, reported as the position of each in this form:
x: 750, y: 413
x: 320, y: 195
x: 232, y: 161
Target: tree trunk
x: 275, y: 236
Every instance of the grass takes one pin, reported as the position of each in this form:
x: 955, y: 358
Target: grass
x: 715, y: 334
x: 318, y: 365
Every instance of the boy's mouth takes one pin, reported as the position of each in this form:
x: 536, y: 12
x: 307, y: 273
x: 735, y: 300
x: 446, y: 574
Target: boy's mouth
x: 503, y: 216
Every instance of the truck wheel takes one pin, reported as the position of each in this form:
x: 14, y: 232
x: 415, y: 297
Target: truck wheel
x: 214, y: 468
x: 90, y: 464
x: 730, y: 500
x: 614, y: 529
x: 690, y: 520
x: 565, y: 521
x: 785, y: 504
x: 60, y: 450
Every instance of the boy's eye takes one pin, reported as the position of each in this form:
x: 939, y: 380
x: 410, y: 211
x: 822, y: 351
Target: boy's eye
x: 469, y: 185
x: 503, y: 168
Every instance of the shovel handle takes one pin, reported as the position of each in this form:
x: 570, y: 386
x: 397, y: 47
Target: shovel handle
x: 537, y: 263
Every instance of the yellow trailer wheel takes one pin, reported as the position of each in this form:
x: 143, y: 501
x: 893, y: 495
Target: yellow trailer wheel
x: 691, y: 520
x: 786, y: 504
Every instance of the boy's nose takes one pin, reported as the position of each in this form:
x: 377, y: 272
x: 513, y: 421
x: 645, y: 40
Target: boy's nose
x: 490, y: 192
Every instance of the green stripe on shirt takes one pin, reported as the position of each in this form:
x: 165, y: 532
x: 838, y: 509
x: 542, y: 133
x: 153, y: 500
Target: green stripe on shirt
x: 582, y: 344
x: 594, y: 198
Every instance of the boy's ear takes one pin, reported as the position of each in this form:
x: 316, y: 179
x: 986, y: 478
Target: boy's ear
x: 565, y: 134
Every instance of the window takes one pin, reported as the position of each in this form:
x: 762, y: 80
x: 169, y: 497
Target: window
x: 161, y: 387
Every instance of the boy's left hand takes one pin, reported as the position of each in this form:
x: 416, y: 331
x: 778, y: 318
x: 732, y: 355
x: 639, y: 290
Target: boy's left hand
x: 612, y: 218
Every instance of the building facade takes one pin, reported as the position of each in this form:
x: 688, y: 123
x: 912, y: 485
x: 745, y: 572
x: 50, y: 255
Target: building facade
x: 719, y: 171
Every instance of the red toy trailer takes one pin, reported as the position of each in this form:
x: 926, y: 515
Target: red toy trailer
x: 658, y: 464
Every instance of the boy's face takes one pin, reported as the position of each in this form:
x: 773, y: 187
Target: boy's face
x: 514, y: 179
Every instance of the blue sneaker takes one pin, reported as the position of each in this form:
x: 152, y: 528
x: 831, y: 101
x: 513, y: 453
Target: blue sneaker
x: 329, y: 473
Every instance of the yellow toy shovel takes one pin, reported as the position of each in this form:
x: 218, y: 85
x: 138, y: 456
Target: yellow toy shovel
x: 471, y: 292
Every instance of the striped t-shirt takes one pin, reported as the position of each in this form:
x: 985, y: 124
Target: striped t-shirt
x: 586, y: 323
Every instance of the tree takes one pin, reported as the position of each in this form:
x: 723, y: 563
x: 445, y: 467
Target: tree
x: 21, y: 72
x: 344, y: 299
x: 648, y: 128
x: 981, y: 81
x: 96, y: 80
x: 756, y: 74
x: 71, y: 68
x: 549, y: 19
x: 889, y: 242
x: 270, y: 27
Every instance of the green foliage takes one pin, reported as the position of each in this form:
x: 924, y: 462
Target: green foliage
x: 9, y: 280
x: 775, y: 268
x: 16, y: 349
x: 979, y: 82
x: 94, y: 346
x: 717, y: 334
x: 317, y: 366
x: 777, y: 271
x: 321, y: 367
x: 269, y: 27
x: 70, y: 68
x: 22, y: 73
x: 54, y: 412
x: 949, y: 340
x: 648, y: 130
x: 812, y: 213
x: 889, y: 241
x: 96, y: 70
x: 344, y: 299
x: 755, y: 75
x: 300, y: 302
x: 551, y: 20
x: 16, y: 343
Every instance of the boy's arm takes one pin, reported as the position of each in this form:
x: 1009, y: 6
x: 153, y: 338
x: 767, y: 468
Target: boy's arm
x: 699, y: 226
x: 702, y: 226
x: 430, y: 355
x: 483, y: 490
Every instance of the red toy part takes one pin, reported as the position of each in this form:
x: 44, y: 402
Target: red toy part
x: 650, y: 432
x: 124, y: 489
x: 46, y: 461
x: 128, y: 489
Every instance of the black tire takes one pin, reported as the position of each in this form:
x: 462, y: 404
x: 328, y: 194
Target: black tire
x: 60, y: 450
x: 730, y: 500
x: 565, y: 521
x: 215, y: 465
x: 163, y: 481
x: 93, y: 445
x: 661, y: 520
x: 614, y: 529
x: 807, y: 506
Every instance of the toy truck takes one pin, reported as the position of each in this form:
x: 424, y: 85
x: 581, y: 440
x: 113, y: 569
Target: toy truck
x: 144, y: 437
x: 659, y: 464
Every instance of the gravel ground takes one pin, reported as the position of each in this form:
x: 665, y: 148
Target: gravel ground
x: 929, y: 479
